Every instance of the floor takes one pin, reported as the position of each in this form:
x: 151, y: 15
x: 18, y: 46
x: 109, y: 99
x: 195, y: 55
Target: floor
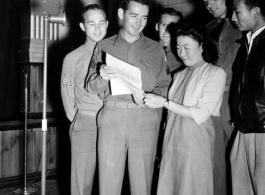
x: 61, y: 186
x: 51, y: 189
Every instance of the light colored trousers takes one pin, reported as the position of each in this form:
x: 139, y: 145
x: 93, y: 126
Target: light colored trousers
x: 126, y: 132
x: 248, y: 164
x: 83, y: 135
x: 223, y: 131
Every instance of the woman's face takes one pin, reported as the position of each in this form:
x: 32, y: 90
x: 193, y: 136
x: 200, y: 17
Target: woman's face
x: 189, y: 50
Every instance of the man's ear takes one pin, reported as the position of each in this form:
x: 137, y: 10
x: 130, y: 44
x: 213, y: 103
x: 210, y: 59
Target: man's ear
x: 156, y: 27
x: 120, y: 13
x: 201, y: 47
x: 81, y: 24
x: 256, y: 10
x: 107, y: 22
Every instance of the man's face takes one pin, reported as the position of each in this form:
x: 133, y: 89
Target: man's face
x: 161, y: 27
x: 216, y: 7
x: 95, y: 25
x: 243, y: 17
x: 134, y: 19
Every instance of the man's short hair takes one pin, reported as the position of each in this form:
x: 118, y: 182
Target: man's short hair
x: 125, y: 3
x: 171, y: 12
x: 256, y: 3
x: 90, y: 7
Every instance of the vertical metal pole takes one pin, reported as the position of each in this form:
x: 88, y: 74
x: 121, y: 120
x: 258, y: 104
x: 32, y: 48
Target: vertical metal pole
x: 44, y: 119
x: 25, y: 189
x: 62, y: 19
x: 25, y: 132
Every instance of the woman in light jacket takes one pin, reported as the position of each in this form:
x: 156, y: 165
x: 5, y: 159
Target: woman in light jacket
x: 195, y: 95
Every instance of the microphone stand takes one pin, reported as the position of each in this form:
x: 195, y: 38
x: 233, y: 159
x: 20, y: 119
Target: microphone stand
x: 52, y: 19
x: 25, y: 189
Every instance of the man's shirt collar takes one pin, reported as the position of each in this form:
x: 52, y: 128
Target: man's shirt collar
x: 119, y: 38
x: 251, y: 37
x: 90, y: 47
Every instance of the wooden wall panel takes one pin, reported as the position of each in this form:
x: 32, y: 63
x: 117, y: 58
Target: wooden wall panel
x: 20, y: 152
x: 12, y: 151
x: 35, y: 89
x: 53, y: 148
x: 5, y: 154
x: 48, y: 150
x: 30, y: 150
x: 38, y: 151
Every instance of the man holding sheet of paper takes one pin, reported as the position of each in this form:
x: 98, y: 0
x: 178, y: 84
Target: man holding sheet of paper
x: 129, y: 80
x: 127, y: 128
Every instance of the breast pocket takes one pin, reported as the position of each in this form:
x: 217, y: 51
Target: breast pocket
x: 148, y: 74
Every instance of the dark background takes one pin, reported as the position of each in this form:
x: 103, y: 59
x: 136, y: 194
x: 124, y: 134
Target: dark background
x: 10, y: 69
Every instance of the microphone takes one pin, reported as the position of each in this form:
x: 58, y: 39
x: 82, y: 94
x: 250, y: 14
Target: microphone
x: 57, y: 18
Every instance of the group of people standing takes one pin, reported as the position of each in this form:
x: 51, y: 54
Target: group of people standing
x: 210, y: 81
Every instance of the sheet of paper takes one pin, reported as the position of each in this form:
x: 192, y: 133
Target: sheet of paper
x: 130, y: 77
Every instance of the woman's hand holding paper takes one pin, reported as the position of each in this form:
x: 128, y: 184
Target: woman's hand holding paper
x: 154, y: 101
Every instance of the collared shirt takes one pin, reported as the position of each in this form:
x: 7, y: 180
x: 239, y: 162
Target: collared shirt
x: 145, y: 54
x: 251, y: 37
x: 74, y: 96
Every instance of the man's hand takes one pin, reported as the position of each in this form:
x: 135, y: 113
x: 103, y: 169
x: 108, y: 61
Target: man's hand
x: 138, y: 100
x: 107, y: 72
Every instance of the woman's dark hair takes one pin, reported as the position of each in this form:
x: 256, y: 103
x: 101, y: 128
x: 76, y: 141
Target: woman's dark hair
x: 210, y: 52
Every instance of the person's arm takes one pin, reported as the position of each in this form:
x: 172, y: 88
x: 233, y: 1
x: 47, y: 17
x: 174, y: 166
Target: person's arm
x: 67, y: 89
x: 210, y: 98
x: 164, y: 77
x: 156, y: 101
x: 94, y: 82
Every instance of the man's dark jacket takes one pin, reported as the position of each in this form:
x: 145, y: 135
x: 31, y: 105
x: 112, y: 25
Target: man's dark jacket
x: 249, y: 88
